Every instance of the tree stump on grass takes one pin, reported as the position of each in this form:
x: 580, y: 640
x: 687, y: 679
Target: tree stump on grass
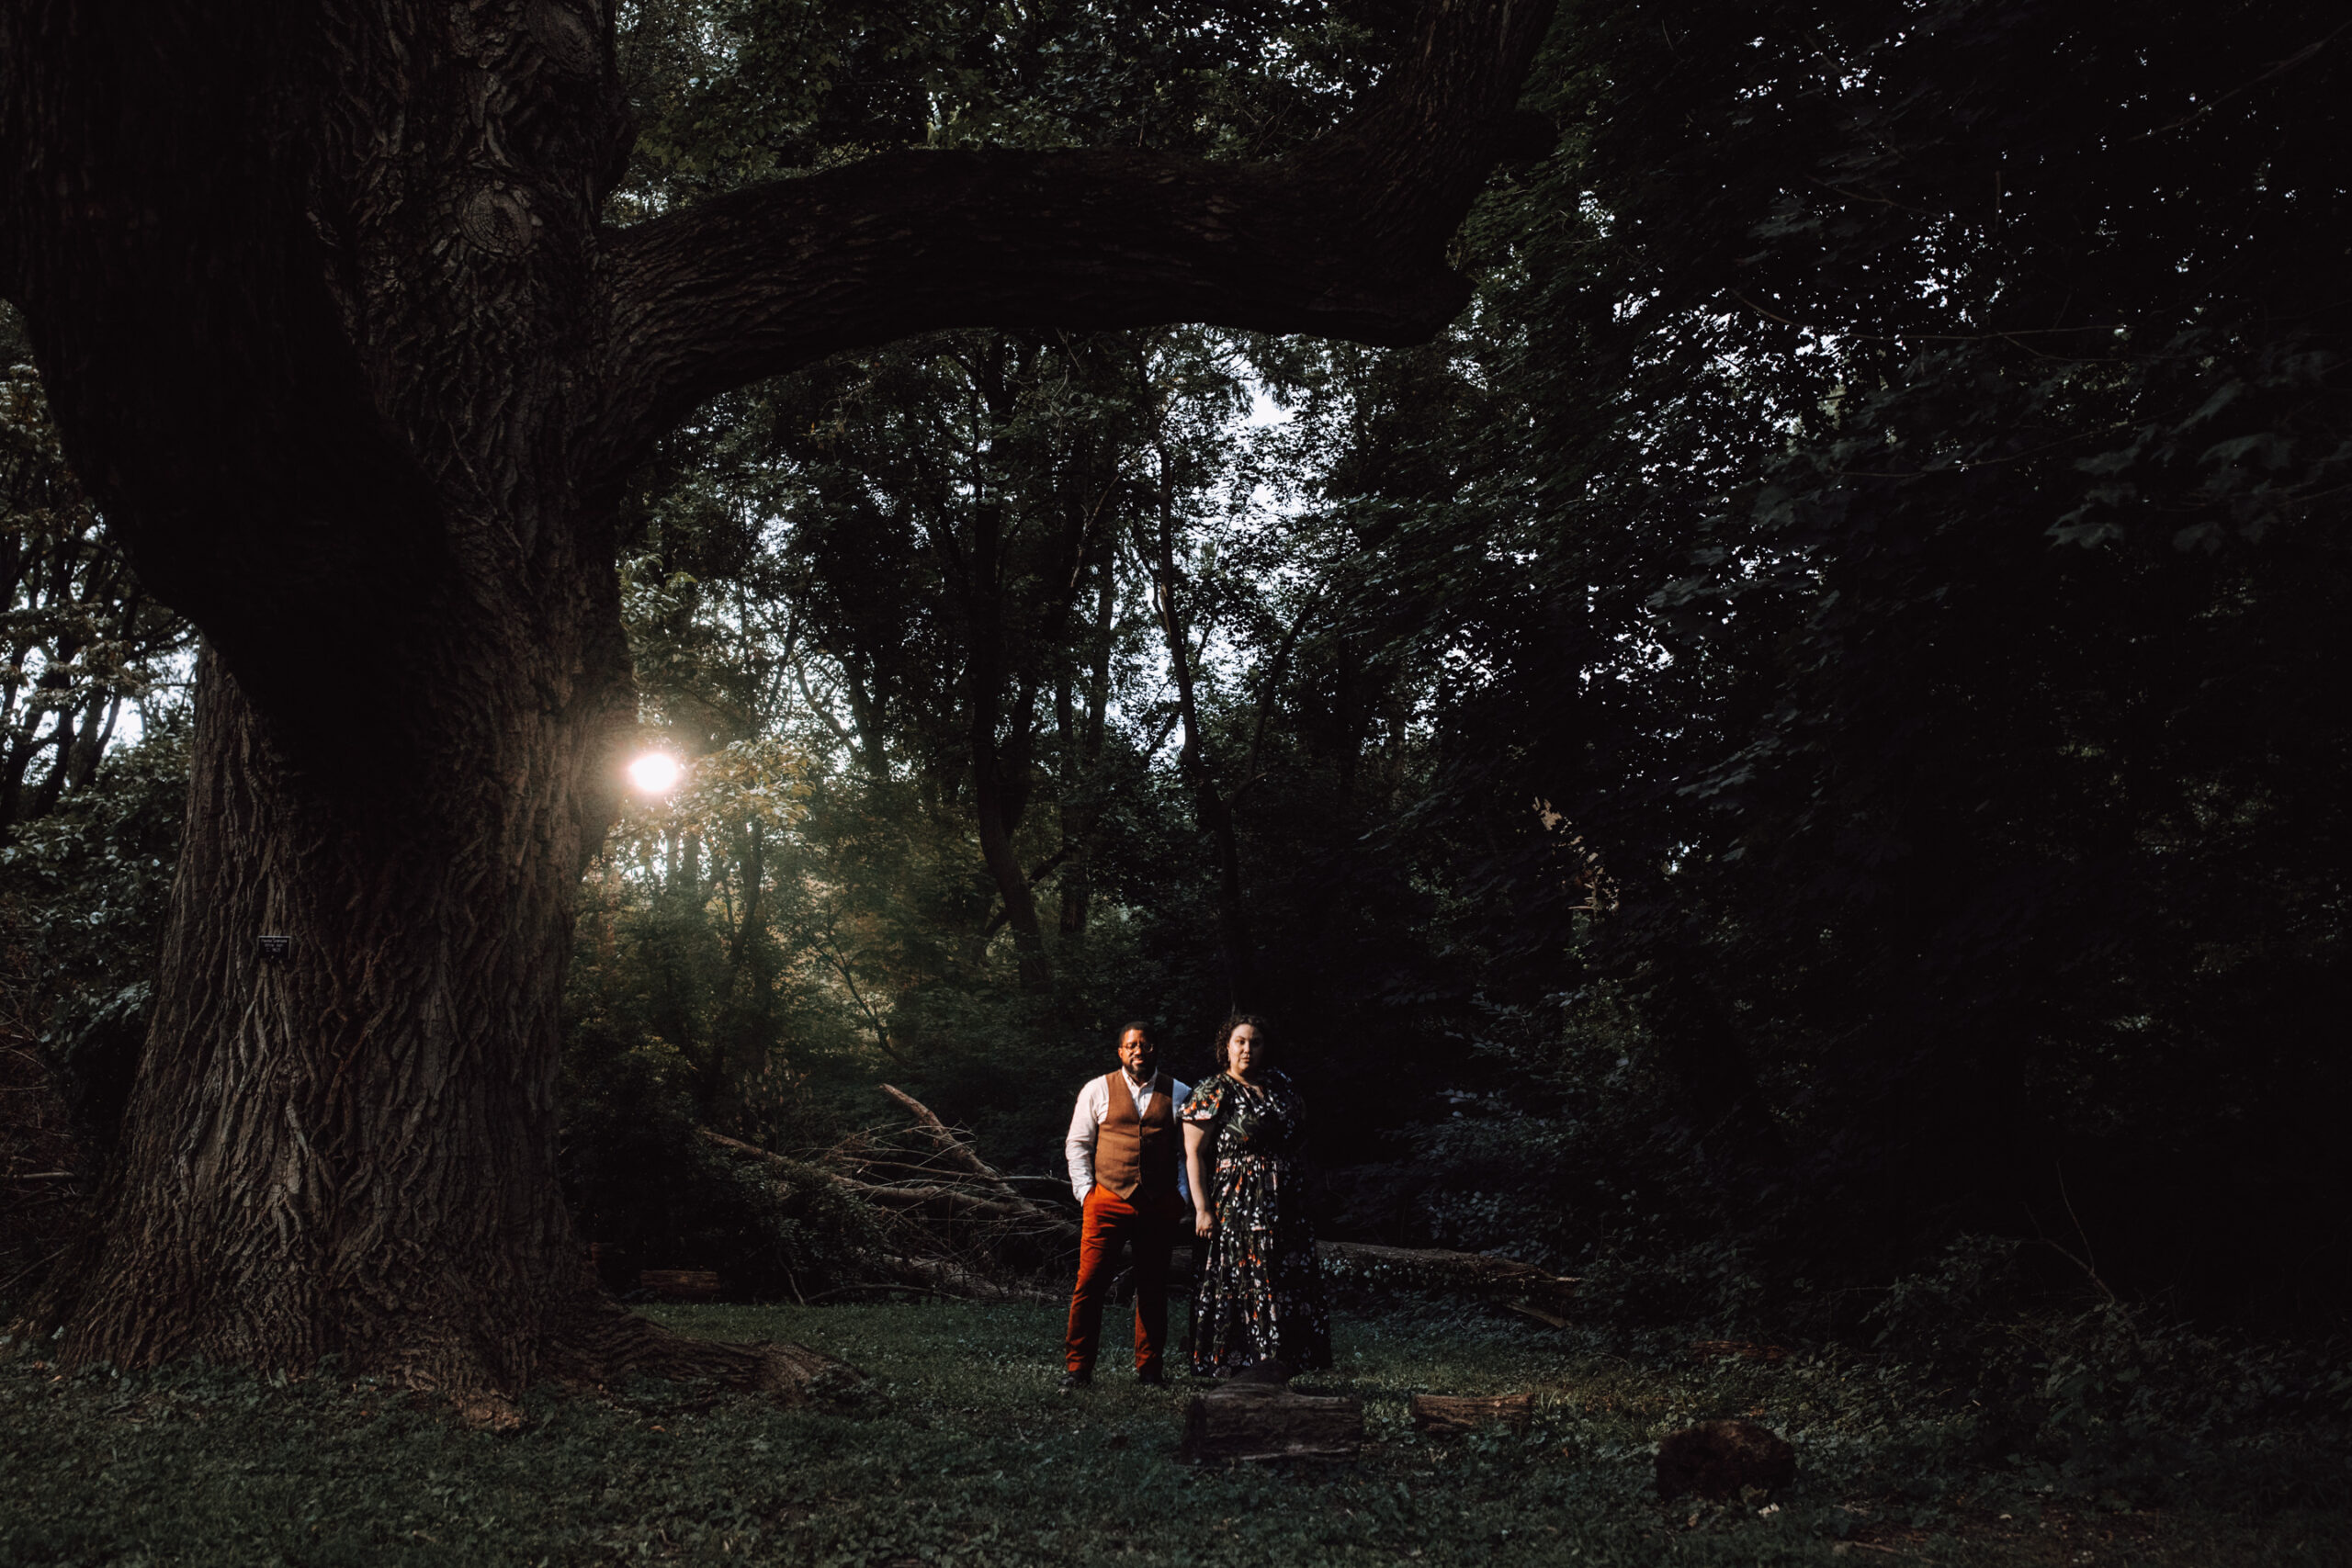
x: 1718, y: 1459
x: 1265, y: 1421
x: 1444, y: 1417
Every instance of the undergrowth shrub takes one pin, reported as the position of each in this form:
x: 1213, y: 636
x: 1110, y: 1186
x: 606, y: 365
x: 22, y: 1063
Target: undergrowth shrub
x: 2116, y: 1400
x: 83, y: 895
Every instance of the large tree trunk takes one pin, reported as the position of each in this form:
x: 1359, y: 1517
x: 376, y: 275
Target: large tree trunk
x: 334, y: 335
x: 351, y: 1148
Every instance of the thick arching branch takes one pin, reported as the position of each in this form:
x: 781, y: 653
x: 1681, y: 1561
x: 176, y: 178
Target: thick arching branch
x: 1345, y: 239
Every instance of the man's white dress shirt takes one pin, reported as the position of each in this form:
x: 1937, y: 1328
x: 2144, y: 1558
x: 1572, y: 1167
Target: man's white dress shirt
x: 1094, y: 1108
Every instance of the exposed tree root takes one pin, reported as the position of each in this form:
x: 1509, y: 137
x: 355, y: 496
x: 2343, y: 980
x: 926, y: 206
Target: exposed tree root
x: 593, y: 1341
x: 610, y: 1343
x: 602, y: 1343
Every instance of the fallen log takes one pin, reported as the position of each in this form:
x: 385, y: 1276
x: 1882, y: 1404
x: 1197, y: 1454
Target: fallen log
x: 943, y: 1278
x: 680, y: 1284
x: 1266, y: 1421
x: 1434, y: 1268
x: 1548, y: 1319
x: 912, y: 1212
x: 1443, y: 1416
x: 953, y: 1145
x: 948, y: 1202
x: 766, y: 1156
x: 950, y: 1141
x: 945, y: 1202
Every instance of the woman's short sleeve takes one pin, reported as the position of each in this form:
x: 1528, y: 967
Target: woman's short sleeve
x: 1204, y: 1102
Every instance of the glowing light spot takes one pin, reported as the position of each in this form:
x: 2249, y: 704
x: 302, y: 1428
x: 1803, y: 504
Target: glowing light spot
x: 656, y: 772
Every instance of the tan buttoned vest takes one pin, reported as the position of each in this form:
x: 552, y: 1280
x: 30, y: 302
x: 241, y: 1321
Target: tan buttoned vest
x: 1136, y: 1154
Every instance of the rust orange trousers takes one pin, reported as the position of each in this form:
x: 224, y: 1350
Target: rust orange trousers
x: 1147, y: 1226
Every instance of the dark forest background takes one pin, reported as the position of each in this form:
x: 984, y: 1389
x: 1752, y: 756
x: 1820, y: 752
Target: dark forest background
x: 1794, y: 762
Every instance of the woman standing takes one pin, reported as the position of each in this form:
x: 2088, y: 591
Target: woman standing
x: 1259, y: 1295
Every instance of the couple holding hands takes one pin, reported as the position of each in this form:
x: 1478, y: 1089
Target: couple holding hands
x: 1146, y: 1153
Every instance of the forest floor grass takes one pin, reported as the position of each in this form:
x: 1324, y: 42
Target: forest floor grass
x: 966, y: 1454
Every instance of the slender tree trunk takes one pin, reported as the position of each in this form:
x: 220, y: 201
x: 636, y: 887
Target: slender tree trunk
x: 1210, y: 807
x: 998, y: 792
x: 1082, y: 743
x: 993, y: 802
x: 745, y: 1032
x: 755, y: 875
x: 865, y: 721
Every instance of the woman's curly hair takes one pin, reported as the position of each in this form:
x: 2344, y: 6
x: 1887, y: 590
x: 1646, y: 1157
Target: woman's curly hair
x: 1224, y: 1036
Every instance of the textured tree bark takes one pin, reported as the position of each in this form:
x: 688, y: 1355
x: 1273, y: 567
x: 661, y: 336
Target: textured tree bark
x: 348, y: 1149
x: 335, y: 337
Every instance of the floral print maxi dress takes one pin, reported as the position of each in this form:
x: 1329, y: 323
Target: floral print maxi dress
x: 1260, y: 1294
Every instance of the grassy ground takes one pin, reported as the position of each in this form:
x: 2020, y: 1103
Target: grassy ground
x: 970, y: 1456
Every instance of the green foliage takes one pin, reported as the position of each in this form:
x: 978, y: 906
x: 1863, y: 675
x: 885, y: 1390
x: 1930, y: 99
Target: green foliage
x: 89, y: 828
x: 79, y: 641
x: 741, y: 90
x: 1788, y: 738
x: 969, y: 1456
x: 2113, y: 1399
x: 1887, y: 507
x: 84, y: 894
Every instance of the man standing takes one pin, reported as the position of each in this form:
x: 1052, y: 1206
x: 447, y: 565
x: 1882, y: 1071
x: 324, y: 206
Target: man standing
x: 1127, y: 1167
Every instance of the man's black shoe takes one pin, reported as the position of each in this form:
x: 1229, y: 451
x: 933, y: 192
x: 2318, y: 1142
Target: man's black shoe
x: 1076, y: 1380
x: 1151, y: 1377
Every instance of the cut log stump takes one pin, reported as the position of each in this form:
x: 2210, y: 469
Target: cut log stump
x: 1444, y: 1417
x: 1265, y: 1421
x: 1719, y: 1460
x: 680, y: 1284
